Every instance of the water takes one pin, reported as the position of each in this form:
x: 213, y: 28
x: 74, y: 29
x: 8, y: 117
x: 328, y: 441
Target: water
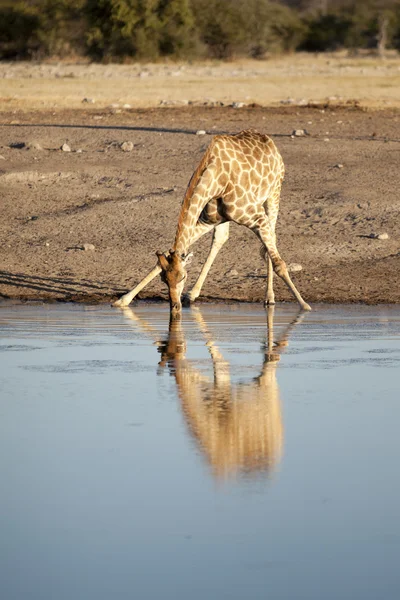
x: 201, y: 462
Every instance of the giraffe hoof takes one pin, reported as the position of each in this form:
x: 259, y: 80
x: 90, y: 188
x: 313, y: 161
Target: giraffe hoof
x: 269, y: 302
x: 121, y: 303
x: 306, y: 306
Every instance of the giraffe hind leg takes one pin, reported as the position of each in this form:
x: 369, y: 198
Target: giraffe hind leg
x: 270, y: 297
x: 271, y: 208
x: 263, y: 230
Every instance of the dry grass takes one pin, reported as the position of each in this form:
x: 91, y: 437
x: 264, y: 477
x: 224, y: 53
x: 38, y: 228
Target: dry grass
x: 371, y: 81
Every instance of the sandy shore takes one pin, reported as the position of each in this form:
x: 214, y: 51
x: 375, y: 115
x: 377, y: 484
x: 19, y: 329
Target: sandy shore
x: 126, y: 204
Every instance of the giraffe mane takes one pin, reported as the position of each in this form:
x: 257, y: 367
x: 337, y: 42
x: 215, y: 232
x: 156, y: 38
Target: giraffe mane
x: 190, y: 188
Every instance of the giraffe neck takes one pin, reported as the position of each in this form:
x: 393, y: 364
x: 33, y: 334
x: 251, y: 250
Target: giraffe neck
x: 189, y: 216
x: 192, y: 204
x: 181, y: 246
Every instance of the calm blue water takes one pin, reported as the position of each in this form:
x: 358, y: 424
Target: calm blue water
x: 200, y: 462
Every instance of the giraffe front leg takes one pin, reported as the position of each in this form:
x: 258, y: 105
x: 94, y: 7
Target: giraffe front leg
x: 221, y: 235
x: 126, y: 299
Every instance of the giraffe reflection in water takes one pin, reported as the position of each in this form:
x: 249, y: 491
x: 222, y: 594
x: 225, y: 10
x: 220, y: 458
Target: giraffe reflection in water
x: 238, y: 425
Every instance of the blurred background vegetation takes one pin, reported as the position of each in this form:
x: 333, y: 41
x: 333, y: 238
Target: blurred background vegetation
x: 125, y: 30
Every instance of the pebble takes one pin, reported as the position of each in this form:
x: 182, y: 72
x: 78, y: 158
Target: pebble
x: 299, y: 132
x: 65, y: 148
x: 88, y: 101
x: 33, y: 146
x: 126, y: 146
x: 87, y: 247
x: 201, y: 132
x: 294, y: 267
x: 232, y: 272
x: 2, y: 157
x: 379, y: 236
x: 338, y: 166
x: 127, y: 106
x: 238, y: 104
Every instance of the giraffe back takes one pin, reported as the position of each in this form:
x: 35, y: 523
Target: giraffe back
x: 251, y: 164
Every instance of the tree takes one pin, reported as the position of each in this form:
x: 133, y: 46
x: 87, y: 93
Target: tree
x: 249, y: 27
x: 38, y: 28
x: 177, y: 32
x: 122, y: 28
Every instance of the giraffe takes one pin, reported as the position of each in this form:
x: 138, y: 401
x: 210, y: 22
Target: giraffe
x: 239, y: 179
x: 237, y: 425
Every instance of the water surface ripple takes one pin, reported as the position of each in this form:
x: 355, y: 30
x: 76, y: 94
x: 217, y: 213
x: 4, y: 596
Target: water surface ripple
x: 240, y: 453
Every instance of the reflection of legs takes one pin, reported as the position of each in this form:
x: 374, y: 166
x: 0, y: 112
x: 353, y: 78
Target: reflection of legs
x: 220, y: 365
x: 126, y: 299
x: 263, y: 229
x: 221, y: 234
x: 270, y: 331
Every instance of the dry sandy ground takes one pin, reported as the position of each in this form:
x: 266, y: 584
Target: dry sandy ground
x: 126, y: 203
x: 299, y: 78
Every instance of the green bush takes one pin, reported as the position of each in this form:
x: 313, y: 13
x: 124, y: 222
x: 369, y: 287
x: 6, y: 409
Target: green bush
x: 230, y: 28
x: 41, y: 28
x: 326, y: 32
x: 119, y: 28
x: 221, y: 26
x: 149, y: 29
x: 18, y: 32
x: 177, y: 35
x: 273, y: 28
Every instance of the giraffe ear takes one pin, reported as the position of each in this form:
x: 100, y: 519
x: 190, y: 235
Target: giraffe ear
x: 162, y: 261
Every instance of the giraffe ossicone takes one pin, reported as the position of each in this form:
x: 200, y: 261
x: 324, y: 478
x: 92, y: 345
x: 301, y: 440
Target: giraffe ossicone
x: 239, y: 179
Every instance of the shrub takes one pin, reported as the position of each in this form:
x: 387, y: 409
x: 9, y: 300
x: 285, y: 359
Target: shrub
x: 18, y: 32
x: 41, y: 28
x: 326, y: 32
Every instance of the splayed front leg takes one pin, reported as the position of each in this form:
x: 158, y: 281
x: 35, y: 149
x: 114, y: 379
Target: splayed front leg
x: 220, y: 236
x: 126, y: 299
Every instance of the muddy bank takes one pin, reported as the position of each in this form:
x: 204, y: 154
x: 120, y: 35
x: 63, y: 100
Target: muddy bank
x: 341, y: 188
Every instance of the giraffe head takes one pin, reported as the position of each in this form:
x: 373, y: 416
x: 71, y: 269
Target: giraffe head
x: 173, y: 348
x: 174, y: 275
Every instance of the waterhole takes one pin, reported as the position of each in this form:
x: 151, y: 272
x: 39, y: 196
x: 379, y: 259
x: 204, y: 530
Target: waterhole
x: 236, y: 454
